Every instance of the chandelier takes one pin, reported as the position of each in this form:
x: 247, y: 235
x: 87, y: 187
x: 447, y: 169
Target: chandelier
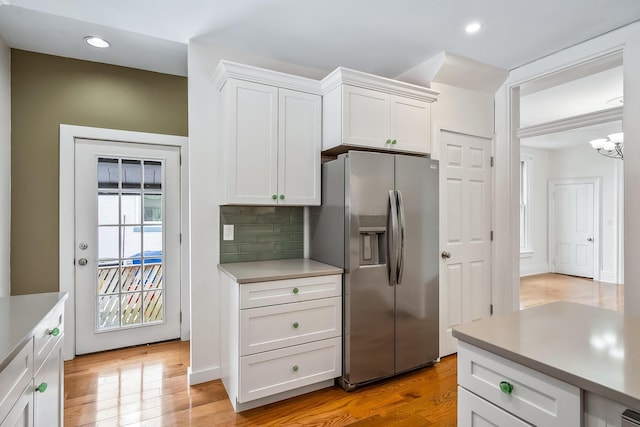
x: 611, y: 146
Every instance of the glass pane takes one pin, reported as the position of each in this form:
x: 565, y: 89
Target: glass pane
x: 152, y: 175
x: 131, y: 208
x: 153, y: 302
x: 131, y: 309
x: 131, y: 173
x: 108, y: 208
x: 108, y: 173
x: 152, y: 275
x: 152, y: 208
x: 108, y: 312
x: 131, y: 242
x: 152, y: 238
x: 108, y: 242
x: 108, y: 278
x: 131, y: 277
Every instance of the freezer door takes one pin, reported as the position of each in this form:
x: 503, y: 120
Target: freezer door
x: 416, y: 181
x: 368, y: 296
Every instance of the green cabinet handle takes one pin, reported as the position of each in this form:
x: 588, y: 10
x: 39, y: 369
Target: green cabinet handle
x: 394, y: 142
x: 274, y: 197
x: 42, y: 387
x: 296, y: 290
x: 295, y: 368
x: 506, y: 387
x: 295, y: 325
x: 388, y: 141
x: 282, y: 197
x: 55, y: 332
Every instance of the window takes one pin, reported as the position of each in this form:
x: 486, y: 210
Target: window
x: 525, y: 204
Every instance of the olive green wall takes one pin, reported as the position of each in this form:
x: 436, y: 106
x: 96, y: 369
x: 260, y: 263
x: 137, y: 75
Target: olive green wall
x: 47, y: 91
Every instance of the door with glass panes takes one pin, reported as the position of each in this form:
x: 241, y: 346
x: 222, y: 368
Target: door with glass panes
x: 127, y: 244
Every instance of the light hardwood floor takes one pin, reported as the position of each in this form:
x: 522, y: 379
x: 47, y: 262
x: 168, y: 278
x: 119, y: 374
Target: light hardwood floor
x: 147, y: 385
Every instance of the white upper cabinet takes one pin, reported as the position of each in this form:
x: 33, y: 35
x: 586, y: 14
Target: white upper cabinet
x: 271, y: 136
x: 365, y: 111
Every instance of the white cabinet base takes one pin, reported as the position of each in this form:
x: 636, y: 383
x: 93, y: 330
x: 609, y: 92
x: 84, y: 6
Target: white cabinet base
x: 239, y: 407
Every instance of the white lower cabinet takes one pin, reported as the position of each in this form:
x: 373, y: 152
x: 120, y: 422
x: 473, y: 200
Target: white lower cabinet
x: 508, y: 387
x: 477, y: 412
x: 279, y: 338
x: 32, y: 382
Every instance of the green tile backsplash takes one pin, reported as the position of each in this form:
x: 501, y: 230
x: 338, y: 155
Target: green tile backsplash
x: 262, y: 233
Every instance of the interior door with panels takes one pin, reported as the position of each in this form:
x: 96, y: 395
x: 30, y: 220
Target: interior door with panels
x: 465, y: 237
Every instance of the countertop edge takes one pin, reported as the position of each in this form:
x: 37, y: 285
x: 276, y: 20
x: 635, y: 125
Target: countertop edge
x: 551, y: 371
x: 286, y: 277
x: 31, y: 333
x: 279, y: 273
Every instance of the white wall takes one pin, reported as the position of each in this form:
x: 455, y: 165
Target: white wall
x: 205, y: 156
x: 462, y: 110
x: 536, y: 261
x: 584, y: 162
x: 507, y: 259
x: 5, y: 167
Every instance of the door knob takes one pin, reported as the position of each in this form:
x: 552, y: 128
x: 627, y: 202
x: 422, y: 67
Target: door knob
x: 446, y: 255
x: 82, y: 261
x: 589, y: 239
x: 83, y: 246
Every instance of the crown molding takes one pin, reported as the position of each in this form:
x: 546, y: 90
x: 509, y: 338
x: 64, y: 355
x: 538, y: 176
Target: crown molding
x: 575, y: 122
x: 232, y: 70
x: 347, y: 76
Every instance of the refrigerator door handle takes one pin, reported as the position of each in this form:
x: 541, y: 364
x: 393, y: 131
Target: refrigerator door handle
x: 401, y: 232
x: 392, y: 239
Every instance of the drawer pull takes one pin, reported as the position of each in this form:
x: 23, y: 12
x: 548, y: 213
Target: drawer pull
x: 295, y: 325
x: 506, y: 387
x: 42, y: 387
x: 296, y: 290
x: 55, y: 332
x: 295, y: 368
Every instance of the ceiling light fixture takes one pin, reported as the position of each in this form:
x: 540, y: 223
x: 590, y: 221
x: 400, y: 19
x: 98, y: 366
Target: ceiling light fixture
x: 97, y: 42
x: 611, y: 146
x: 473, y: 27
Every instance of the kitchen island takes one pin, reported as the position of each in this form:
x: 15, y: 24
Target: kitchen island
x: 31, y: 366
x: 557, y: 364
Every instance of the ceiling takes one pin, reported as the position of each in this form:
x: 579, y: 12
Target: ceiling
x: 376, y: 36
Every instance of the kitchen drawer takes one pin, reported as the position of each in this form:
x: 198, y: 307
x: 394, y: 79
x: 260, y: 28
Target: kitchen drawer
x: 47, y: 334
x: 261, y: 294
x: 284, y: 325
x: 276, y: 371
x: 15, y: 377
x: 536, y: 398
x: 474, y: 411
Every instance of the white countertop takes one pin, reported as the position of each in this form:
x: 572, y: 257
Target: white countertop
x: 19, y: 316
x: 263, y: 271
x: 594, y: 349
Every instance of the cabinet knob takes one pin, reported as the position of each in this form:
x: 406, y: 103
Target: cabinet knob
x: 394, y: 142
x: 388, y: 141
x: 296, y: 290
x: 274, y: 197
x: 295, y: 325
x: 282, y: 197
x: 42, y: 387
x: 55, y: 332
x: 506, y: 387
x: 295, y: 368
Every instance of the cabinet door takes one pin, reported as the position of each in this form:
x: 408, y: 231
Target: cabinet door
x: 474, y: 411
x: 48, y: 399
x: 410, y: 124
x: 365, y: 118
x: 21, y: 414
x: 252, y: 148
x: 299, y: 146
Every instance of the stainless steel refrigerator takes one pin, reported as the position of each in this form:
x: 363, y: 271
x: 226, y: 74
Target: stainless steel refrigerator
x: 379, y: 221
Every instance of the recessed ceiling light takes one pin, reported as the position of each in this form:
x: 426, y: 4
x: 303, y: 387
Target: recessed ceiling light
x: 473, y: 27
x: 97, y: 42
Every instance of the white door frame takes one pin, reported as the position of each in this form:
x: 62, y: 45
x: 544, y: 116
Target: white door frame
x: 597, y: 207
x: 68, y: 135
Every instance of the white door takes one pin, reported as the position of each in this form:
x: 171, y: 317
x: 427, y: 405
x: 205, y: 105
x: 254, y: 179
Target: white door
x: 573, y: 232
x: 127, y: 244
x: 465, y: 232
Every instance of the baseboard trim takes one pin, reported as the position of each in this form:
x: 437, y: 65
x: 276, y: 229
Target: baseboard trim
x: 608, y: 277
x: 530, y: 270
x: 202, y: 376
